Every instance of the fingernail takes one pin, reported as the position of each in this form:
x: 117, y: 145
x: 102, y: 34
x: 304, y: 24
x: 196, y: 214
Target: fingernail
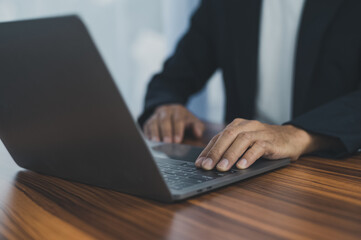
x: 223, y: 164
x: 177, y: 139
x: 207, y: 164
x: 242, y: 164
x: 167, y: 139
x: 199, y: 161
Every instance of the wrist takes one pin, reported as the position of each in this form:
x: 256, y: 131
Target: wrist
x: 302, y: 140
x: 308, y: 142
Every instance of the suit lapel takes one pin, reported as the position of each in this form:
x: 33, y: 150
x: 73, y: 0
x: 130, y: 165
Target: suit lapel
x: 316, y: 17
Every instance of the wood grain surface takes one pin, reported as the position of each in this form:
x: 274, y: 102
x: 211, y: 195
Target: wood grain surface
x: 313, y: 198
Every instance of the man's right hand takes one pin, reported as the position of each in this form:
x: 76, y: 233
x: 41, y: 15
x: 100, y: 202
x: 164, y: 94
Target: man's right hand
x: 169, y: 122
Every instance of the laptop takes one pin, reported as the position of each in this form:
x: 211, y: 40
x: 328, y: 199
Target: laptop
x: 61, y: 114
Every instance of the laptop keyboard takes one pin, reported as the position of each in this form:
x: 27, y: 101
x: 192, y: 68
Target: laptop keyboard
x: 181, y: 174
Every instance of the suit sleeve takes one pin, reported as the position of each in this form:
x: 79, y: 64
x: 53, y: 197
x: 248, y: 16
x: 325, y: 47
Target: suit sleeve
x: 187, y: 71
x: 340, y: 119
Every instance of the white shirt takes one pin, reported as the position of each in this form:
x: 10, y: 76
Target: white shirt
x: 278, y: 37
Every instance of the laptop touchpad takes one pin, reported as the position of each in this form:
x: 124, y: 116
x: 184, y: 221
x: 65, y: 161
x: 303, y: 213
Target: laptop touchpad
x: 176, y: 151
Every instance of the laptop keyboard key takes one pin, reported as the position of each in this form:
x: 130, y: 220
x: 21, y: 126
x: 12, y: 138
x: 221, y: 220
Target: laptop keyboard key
x: 180, y: 174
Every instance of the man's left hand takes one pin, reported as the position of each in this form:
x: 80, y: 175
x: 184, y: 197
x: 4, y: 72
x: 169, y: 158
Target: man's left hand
x: 248, y: 140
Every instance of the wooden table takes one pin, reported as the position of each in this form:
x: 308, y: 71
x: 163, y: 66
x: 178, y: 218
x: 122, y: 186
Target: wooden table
x: 313, y: 198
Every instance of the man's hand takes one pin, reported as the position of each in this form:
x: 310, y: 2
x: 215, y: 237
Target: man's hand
x: 169, y: 122
x: 250, y: 140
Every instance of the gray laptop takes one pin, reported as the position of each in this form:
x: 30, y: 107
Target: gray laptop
x: 62, y: 115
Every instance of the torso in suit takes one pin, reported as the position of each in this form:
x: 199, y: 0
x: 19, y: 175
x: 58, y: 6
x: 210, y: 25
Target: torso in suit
x: 327, y: 75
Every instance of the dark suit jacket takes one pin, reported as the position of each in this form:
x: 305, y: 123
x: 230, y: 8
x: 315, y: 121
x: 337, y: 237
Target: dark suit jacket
x: 225, y: 35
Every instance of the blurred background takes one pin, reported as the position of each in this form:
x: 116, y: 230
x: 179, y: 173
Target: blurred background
x: 134, y: 38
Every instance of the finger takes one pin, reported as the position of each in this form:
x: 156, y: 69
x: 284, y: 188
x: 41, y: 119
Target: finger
x: 165, y: 126
x: 203, y: 154
x: 179, y: 126
x: 153, y: 130
x: 226, y: 138
x: 146, y: 131
x: 236, y: 150
x: 198, y: 128
x: 253, y: 154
